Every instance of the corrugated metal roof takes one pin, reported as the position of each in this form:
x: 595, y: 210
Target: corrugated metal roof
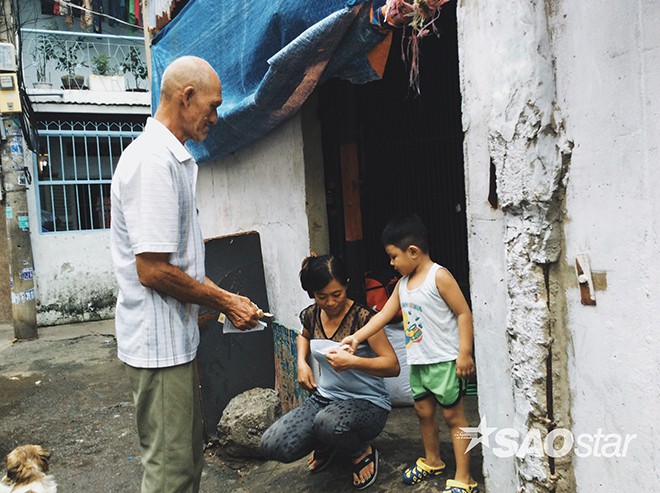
x: 73, y: 101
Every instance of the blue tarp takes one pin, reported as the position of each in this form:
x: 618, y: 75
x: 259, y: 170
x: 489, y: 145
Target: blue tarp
x: 270, y: 55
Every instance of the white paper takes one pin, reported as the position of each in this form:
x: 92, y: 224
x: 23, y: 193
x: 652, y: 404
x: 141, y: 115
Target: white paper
x: 229, y: 328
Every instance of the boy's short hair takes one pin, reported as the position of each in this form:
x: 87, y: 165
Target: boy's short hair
x: 405, y: 230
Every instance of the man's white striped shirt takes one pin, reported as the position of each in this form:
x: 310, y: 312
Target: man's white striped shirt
x: 153, y: 210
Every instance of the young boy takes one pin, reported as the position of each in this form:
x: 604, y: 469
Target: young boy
x: 438, y: 328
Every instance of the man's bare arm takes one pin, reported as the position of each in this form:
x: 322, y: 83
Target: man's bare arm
x: 155, y: 272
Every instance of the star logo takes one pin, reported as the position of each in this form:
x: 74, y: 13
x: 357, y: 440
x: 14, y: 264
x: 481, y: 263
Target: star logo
x: 479, y: 434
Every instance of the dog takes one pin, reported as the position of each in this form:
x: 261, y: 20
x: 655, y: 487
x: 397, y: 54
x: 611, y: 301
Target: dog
x: 27, y: 471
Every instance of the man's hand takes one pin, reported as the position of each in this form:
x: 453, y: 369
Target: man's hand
x: 306, y: 377
x: 155, y: 272
x: 242, y: 313
x: 464, y: 365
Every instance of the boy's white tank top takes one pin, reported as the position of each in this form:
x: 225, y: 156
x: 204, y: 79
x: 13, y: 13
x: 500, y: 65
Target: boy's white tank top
x: 431, y: 327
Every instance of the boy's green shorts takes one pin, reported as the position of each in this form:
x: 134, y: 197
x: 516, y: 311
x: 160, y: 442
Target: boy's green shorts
x: 437, y: 379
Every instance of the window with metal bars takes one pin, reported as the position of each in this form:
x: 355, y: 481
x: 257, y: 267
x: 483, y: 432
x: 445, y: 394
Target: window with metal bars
x: 74, y: 170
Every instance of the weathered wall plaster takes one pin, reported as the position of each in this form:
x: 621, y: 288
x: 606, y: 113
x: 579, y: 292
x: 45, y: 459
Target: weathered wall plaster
x: 269, y: 187
x: 74, y: 277
x: 509, y: 102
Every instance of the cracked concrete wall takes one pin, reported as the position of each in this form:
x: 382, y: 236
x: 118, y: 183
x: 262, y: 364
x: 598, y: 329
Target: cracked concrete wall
x: 74, y: 280
x: 274, y: 187
x: 513, y: 123
x: 560, y: 100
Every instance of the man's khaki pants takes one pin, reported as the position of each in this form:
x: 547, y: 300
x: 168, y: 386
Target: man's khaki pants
x: 169, y: 421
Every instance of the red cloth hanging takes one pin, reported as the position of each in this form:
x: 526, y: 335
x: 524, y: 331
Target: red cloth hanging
x: 138, y: 15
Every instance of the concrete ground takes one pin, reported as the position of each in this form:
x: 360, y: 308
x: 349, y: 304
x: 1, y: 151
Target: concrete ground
x: 68, y: 392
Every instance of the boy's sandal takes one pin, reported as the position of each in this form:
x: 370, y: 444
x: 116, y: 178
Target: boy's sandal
x: 454, y: 486
x: 420, y: 471
x: 322, y: 458
x: 372, y: 457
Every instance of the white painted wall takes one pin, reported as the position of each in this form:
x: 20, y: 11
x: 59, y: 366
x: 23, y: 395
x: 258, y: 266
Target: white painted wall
x: 74, y: 280
x: 263, y: 188
x: 608, y: 82
x: 486, y: 249
x: 606, y: 74
x: 274, y: 187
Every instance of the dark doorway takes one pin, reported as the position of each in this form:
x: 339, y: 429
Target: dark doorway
x: 409, y: 151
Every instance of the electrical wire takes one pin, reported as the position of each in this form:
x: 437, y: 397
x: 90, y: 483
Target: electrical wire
x: 27, y: 117
x: 7, y: 22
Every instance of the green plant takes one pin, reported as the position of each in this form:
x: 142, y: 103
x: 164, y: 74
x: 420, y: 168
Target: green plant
x: 44, y: 50
x: 134, y: 64
x: 68, y: 54
x: 101, y: 64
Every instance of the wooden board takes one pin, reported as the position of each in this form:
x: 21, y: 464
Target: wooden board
x: 230, y: 364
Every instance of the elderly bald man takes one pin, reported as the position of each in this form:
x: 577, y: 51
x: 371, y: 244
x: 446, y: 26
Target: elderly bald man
x: 158, y: 255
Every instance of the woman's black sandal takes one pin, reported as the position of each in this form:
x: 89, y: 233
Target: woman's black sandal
x: 323, y: 458
x: 372, y: 457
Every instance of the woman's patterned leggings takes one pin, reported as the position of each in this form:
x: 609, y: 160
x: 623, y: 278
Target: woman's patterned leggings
x: 321, y: 423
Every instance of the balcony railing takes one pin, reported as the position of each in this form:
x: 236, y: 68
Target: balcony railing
x: 65, y: 60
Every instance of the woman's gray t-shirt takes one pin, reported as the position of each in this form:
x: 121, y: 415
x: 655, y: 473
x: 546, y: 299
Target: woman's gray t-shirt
x: 348, y: 384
